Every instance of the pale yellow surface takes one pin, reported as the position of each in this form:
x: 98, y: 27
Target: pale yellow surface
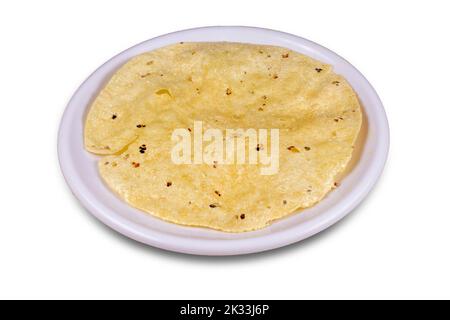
x: 268, y: 87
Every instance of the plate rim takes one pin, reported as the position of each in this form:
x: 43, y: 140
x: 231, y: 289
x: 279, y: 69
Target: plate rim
x: 190, y: 245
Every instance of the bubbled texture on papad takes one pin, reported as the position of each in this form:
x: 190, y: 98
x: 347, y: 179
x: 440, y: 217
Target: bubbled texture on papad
x: 224, y: 85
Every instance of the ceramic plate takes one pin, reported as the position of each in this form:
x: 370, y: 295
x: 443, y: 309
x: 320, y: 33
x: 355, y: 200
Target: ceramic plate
x: 80, y: 169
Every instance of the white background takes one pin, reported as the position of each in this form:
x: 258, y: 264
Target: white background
x: 395, y: 245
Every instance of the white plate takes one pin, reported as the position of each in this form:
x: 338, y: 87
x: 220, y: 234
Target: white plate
x: 80, y: 169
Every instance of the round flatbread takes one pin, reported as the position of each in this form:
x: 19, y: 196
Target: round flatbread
x: 223, y: 86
